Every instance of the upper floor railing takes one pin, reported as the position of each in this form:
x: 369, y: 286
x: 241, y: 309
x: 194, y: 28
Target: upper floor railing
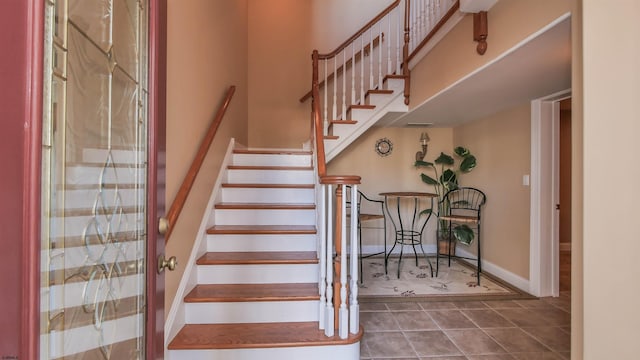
x: 380, y: 49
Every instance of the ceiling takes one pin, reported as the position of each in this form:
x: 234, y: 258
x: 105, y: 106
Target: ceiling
x: 535, y: 68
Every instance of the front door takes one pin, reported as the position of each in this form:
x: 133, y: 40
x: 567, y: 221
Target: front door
x: 99, y: 145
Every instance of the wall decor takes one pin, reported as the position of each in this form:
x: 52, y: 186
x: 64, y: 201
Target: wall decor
x: 384, y: 147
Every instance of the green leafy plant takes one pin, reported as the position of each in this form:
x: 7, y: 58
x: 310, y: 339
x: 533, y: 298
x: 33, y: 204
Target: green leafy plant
x: 444, y: 179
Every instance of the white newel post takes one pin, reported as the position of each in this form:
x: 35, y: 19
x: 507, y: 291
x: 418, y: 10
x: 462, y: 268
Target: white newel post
x: 343, y: 314
x: 329, y: 329
x: 354, y: 308
x: 322, y: 255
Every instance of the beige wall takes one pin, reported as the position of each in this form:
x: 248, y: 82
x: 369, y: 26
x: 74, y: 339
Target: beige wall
x: 455, y: 56
x: 347, y: 17
x: 502, y: 145
x: 203, y: 61
x: 611, y: 80
x: 282, y: 35
x: 279, y: 72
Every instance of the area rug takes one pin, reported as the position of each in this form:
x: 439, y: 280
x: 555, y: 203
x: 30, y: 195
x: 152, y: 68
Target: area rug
x: 457, y: 282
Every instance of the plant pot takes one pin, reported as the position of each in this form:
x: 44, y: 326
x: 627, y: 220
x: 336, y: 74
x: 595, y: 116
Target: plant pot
x: 443, y: 246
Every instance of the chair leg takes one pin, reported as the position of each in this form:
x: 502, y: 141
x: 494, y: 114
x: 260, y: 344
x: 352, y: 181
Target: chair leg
x: 427, y: 258
x: 479, y: 256
x: 449, y: 249
x: 400, y: 259
x: 360, y: 252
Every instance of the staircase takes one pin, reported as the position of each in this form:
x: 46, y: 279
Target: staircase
x: 257, y: 292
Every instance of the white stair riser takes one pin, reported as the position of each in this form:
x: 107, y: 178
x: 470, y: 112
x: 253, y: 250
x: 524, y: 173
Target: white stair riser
x: 269, y: 195
x: 264, y: 217
x: 394, y: 84
x: 79, y: 225
x: 100, y: 156
x: 350, y: 351
x: 270, y: 176
x: 93, y: 175
x: 258, y: 274
x: 251, y: 312
x: 86, y: 198
x: 279, y: 242
x: 357, y: 114
x: 342, y: 130
x: 271, y: 160
x: 378, y: 99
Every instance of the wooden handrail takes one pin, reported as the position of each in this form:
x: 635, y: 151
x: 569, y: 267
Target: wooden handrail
x: 452, y: 11
x: 348, y: 64
x: 189, y: 179
x: 360, y: 32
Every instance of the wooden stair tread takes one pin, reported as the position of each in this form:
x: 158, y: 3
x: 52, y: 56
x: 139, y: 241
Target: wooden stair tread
x: 252, y: 292
x: 260, y: 167
x: 269, y: 186
x: 258, y: 257
x: 262, y: 229
x: 331, y: 137
x: 255, y: 335
x: 393, y: 76
x: 265, y: 206
x: 346, y: 122
x: 378, y: 91
x: 272, y: 151
x: 351, y: 107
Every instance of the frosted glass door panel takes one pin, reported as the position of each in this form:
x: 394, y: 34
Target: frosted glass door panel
x: 94, y: 187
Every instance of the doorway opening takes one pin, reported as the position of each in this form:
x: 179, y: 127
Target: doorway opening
x: 546, y: 222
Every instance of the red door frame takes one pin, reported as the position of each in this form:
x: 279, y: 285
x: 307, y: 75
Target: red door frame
x: 21, y: 27
x: 156, y: 174
x: 21, y: 64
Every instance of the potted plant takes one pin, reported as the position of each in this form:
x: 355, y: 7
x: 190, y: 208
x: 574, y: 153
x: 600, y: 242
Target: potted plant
x: 445, y: 178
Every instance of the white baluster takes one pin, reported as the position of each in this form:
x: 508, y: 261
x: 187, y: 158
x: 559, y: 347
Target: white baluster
x: 343, y: 314
x: 325, y: 130
x: 353, y: 73
x: 335, y: 90
x: 362, y: 69
x: 399, y: 42
x: 354, y: 307
x: 389, y: 55
x: 322, y: 285
x: 380, y: 47
x: 344, y: 84
x: 370, y: 59
x: 424, y: 8
x: 329, y: 329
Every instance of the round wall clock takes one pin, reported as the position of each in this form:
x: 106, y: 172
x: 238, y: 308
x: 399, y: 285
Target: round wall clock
x: 384, y: 147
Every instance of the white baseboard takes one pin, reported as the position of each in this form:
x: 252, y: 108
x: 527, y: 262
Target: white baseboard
x: 499, y: 272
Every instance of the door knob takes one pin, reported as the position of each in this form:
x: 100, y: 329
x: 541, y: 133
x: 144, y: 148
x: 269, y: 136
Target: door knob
x: 166, y: 263
x: 163, y: 225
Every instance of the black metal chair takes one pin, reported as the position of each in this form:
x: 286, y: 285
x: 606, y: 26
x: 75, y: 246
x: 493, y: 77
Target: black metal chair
x: 460, y: 213
x: 371, y: 214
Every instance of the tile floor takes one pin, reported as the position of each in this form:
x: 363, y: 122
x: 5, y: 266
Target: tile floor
x: 511, y: 329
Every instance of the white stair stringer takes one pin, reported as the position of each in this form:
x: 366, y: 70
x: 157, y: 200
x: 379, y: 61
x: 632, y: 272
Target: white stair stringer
x: 385, y: 105
x: 258, y: 189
